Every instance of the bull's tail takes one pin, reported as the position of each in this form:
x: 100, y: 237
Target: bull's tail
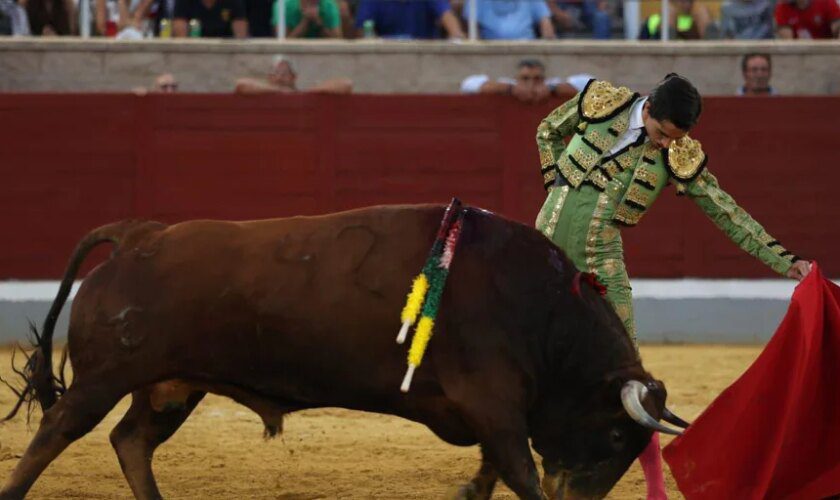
x: 40, y: 383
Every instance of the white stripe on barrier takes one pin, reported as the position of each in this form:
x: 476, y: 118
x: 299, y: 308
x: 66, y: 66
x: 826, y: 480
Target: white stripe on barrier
x: 31, y: 291
x: 664, y: 289
x: 780, y: 289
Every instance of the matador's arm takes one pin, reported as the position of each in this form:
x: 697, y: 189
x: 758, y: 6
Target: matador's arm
x: 742, y: 229
x: 551, y: 135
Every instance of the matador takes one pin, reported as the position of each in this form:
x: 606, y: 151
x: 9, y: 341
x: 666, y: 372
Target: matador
x: 623, y: 150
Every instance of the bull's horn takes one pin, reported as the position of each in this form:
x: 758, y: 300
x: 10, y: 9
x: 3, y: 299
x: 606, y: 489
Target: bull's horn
x: 673, y: 419
x: 631, y: 397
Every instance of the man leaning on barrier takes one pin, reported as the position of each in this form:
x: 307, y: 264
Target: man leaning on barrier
x: 530, y: 85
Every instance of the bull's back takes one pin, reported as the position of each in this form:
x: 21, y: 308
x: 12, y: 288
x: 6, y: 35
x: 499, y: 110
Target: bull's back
x: 268, y: 303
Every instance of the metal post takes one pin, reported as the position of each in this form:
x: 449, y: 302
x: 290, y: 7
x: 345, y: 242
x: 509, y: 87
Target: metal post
x: 84, y: 18
x: 472, y: 22
x: 281, y: 19
x: 632, y: 21
x: 665, y: 24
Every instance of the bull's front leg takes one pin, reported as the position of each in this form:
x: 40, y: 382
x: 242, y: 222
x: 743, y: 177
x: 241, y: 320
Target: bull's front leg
x: 554, y: 480
x: 482, y: 484
x: 508, y: 451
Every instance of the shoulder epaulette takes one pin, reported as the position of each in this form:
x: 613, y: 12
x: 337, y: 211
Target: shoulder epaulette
x: 601, y: 101
x: 685, y: 159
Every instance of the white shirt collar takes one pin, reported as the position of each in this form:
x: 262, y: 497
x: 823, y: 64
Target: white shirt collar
x: 636, y: 120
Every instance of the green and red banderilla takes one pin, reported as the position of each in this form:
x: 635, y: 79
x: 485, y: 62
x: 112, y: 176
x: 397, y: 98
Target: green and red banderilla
x: 427, y: 289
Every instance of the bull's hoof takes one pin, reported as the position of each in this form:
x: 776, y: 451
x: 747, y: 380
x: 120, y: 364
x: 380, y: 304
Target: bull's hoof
x: 466, y: 492
x: 10, y: 495
x: 551, y: 486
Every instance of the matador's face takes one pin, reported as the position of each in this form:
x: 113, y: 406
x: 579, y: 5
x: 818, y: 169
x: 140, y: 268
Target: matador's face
x: 660, y: 133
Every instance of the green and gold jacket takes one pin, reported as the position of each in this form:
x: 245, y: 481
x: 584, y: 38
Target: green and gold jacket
x: 636, y: 175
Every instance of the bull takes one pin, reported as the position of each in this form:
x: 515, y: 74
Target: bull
x: 288, y: 314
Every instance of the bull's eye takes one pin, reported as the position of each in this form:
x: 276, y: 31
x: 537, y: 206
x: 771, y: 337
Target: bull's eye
x: 617, y: 439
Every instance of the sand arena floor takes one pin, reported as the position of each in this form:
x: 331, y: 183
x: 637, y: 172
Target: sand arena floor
x: 219, y: 453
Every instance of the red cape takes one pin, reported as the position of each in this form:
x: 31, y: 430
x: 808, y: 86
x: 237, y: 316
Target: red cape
x: 775, y: 432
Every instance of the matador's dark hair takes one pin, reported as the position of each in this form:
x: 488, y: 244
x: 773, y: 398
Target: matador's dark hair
x: 676, y: 99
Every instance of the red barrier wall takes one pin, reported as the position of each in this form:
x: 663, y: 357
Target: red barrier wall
x: 72, y: 162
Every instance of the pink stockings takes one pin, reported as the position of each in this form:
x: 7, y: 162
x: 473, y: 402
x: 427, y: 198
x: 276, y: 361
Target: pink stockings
x: 651, y: 461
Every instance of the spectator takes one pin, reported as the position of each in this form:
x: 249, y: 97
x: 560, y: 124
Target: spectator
x: 310, y: 19
x: 347, y: 11
x: 576, y: 17
x: 123, y: 19
x: 164, y: 84
x: 260, y: 14
x: 756, y: 69
x: 512, y: 19
x: 110, y: 16
x: 689, y: 21
x: 747, y: 19
x: 153, y: 11
x: 409, y: 19
x: 216, y: 18
x: 529, y: 86
x: 50, y: 17
x: 283, y: 79
x: 808, y: 19
x: 13, y: 19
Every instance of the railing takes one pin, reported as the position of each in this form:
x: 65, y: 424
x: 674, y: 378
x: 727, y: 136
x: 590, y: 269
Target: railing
x: 631, y: 19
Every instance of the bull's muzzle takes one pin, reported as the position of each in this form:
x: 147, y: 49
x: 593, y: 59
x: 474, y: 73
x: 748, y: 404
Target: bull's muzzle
x: 556, y: 486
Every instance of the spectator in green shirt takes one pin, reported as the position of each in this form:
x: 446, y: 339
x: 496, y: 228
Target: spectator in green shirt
x: 310, y: 19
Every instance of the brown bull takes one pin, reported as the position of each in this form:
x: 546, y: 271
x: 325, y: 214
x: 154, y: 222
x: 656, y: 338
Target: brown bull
x: 287, y: 314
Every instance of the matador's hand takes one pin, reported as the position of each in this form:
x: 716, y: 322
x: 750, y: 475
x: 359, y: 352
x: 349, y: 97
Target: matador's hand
x: 799, y: 270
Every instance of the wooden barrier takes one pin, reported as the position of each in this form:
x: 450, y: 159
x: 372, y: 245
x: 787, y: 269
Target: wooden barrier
x: 72, y: 162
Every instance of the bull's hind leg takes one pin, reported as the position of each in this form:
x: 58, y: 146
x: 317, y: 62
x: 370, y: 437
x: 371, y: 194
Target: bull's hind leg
x: 73, y: 416
x: 141, y: 431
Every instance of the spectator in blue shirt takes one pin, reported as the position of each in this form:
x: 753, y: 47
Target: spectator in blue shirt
x: 512, y: 19
x: 408, y: 19
x: 582, y: 17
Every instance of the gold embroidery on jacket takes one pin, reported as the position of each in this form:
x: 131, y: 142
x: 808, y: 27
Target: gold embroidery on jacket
x: 627, y: 215
x: 647, y: 176
x: 595, y: 226
x: 555, y: 212
x: 599, y: 140
x: 637, y: 195
x: 685, y: 158
x: 599, y: 179
x: 612, y: 168
x: 586, y: 158
x: 620, y: 124
x: 601, y: 99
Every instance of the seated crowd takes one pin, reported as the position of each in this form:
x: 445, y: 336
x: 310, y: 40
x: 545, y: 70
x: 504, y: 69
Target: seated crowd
x: 529, y: 85
x: 421, y: 19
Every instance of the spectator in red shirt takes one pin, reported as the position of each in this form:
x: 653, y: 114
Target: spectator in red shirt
x: 808, y: 19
